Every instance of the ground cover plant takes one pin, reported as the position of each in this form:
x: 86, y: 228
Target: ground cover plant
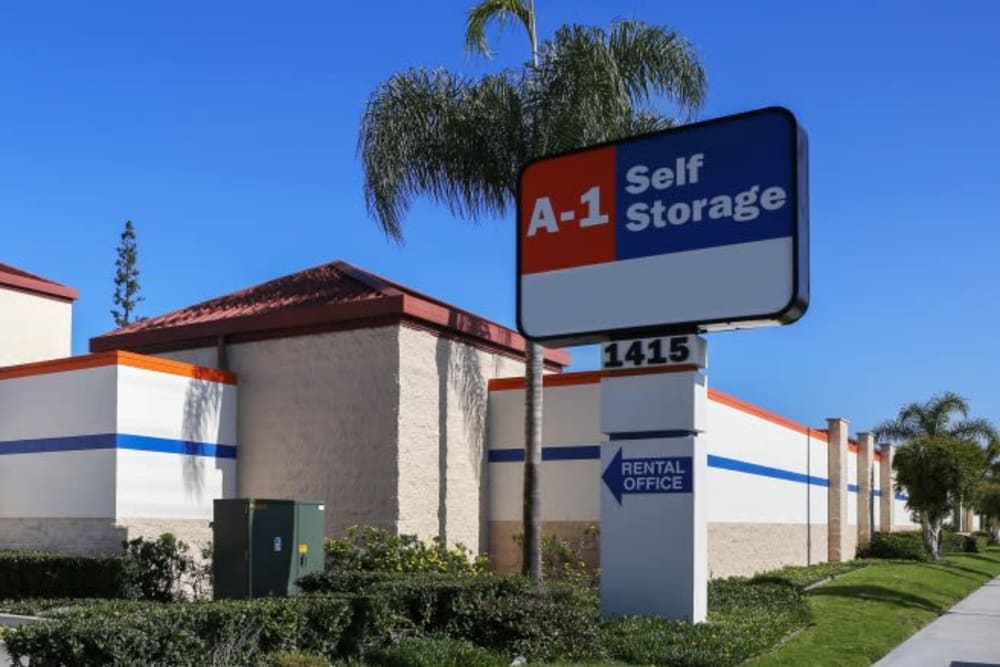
x: 862, y: 615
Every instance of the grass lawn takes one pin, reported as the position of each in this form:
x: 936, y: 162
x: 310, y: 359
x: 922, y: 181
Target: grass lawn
x: 862, y: 615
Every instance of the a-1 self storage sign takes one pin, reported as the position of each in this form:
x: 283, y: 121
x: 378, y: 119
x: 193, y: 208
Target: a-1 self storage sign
x: 698, y: 228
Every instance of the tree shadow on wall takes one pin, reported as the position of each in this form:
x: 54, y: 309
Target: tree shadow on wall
x: 459, y: 368
x: 201, y: 412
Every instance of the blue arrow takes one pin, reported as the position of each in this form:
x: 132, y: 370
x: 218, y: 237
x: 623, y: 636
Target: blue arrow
x: 613, y: 477
x: 669, y: 474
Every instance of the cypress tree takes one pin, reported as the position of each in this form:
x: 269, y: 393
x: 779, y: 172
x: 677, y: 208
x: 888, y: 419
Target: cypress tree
x: 126, y: 297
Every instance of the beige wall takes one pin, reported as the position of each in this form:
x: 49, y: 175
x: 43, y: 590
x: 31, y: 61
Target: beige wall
x: 442, y: 427
x: 320, y: 417
x: 33, y: 327
x: 734, y: 549
x: 744, y: 549
x: 77, y: 535
x: 318, y: 421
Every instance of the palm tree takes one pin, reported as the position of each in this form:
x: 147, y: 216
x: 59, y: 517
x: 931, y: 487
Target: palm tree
x: 462, y: 141
x: 936, y: 417
x: 943, y: 416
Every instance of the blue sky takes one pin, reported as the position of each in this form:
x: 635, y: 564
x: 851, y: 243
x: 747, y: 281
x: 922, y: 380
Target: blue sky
x: 226, y: 131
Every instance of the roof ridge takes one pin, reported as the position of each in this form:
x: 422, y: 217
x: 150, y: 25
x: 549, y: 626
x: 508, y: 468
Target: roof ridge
x: 11, y: 276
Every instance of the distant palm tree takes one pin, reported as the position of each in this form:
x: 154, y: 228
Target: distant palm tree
x: 462, y: 141
x: 945, y: 415
x: 938, y: 416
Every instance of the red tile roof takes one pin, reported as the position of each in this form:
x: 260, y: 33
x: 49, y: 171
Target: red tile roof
x: 28, y: 282
x: 334, y: 296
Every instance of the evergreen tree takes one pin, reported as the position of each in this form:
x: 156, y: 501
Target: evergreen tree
x: 126, y: 297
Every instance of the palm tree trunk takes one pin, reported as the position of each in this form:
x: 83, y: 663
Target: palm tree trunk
x: 531, y: 562
x: 931, y: 532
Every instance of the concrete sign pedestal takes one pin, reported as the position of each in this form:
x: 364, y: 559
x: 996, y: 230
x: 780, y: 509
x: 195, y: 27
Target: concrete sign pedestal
x: 654, y: 556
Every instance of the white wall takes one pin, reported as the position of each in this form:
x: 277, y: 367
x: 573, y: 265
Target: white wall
x: 168, y: 423
x: 767, y: 476
x: 33, y: 327
x: 59, y: 404
x: 90, y: 437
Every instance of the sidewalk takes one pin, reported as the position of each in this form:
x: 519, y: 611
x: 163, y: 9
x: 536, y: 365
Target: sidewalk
x: 967, y: 635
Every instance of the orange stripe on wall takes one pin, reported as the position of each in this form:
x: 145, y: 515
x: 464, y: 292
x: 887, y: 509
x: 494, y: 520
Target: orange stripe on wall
x: 593, y: 377
x: 581, y: 377
x: 743, y: 406
x: 117, y: 358
x: 161, y: 365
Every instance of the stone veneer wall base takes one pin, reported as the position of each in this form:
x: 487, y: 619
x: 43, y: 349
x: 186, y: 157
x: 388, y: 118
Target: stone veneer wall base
x: 97, y: 536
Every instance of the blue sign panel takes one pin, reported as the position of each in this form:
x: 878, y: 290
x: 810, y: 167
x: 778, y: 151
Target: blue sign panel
x: 707, y: 187
x: 668, y: 474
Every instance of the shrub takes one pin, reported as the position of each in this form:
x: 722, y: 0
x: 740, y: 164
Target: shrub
x: 563, y: 559
x: 904, y: 546
x: 500, y: 613
x: 435, y: 652
x: 155, y: 569
x: 376, y: 550
x: 538, y: 626
x: 32, y: 574
x: 295, y: 659
x: 201, y: 633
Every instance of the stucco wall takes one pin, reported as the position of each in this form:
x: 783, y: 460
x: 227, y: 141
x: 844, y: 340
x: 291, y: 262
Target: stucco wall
x: 33, y: 328
x: 442, y: 428
x: 320, y: 417
x: 318, y: 420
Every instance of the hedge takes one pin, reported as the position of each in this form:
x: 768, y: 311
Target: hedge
x: 496, y: 612
x: 227, y: 632
x: 412, y: 620
x: 435, y: 652
x: 908, y: 545
x: 32, y: 574
x: 958, y: 543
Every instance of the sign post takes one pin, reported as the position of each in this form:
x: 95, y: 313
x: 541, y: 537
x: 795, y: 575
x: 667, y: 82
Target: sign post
x: 639, y: 245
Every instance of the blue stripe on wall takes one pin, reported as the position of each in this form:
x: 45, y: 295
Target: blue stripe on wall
x: 119, y: 440
x: 593, y: 452
x: 66, y: 444
x: 506, y: 455
x: 582, y: 452
x: 764, y: 471
x: 186, y: 447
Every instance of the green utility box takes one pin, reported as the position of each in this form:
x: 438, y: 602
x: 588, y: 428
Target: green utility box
x: 261, y: 547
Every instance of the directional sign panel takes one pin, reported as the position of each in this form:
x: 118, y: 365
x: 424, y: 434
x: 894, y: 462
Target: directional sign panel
x: 698, y: 228
x: 664, y: 474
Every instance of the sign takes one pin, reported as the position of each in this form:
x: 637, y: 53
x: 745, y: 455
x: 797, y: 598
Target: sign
x: 702, y: 227
x: 650, y: 352
x: 669, y: 474
x: 277, y: 544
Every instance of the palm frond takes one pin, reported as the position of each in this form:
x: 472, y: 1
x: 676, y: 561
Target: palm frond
x: 657, y: 60
x: 896, y: 430
x: 977, y: 430
x: 503, y: 12
x: 941, y: 408
x: 593, y: 85
x: 432, y: 133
